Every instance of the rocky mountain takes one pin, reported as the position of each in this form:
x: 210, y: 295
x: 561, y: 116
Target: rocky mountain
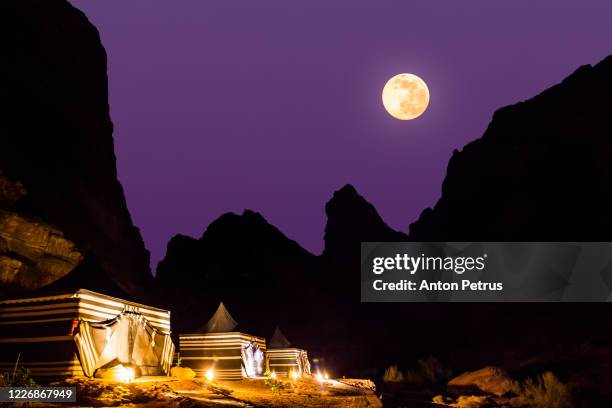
x: 241, y: 260
x: 266, y: 279
x: 351, y: 220
x: 541, y: 171
x: 235, y: 250
x: 62, y: 204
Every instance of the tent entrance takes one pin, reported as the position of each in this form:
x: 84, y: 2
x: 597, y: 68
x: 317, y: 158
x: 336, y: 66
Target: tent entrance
x: 122, y: 348
x: 253, y: 360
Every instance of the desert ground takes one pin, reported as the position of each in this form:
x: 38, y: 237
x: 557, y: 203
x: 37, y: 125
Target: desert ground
x: 153, y: 392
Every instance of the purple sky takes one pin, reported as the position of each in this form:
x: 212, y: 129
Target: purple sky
x: 272, y: 105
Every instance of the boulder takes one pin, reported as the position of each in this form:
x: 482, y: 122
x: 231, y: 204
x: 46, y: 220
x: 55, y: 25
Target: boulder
x: 184, y: 373
x: 490, y: 380
x: 33, y: 253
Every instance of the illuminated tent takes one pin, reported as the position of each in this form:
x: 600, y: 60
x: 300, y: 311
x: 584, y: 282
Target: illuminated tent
x: 283, y: 359
x: 232, y: 355
x: 83, y: 333
x: 220, y: 322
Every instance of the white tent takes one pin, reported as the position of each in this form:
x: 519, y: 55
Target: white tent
x: 284, y: 359
x: 82, y: 332
x: 220, y: 322
x: 232, y: 355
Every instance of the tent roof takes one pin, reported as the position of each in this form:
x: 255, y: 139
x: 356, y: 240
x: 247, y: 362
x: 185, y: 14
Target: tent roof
x: 278, y: 339
x: 220, y: 322
x: 46, y: 296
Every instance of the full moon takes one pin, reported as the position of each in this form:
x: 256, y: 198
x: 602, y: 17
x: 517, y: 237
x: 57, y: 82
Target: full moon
x: 405, y: 96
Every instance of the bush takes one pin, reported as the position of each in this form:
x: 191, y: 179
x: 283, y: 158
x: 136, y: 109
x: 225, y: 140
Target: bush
x: 429, y: 372
x: 393, y: 375
x: 20, y: 377
x: 274, y: 384
x: 546, y: 391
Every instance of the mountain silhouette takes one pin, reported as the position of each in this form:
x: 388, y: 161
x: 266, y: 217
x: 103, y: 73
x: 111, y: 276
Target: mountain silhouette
x: 540, y: 172
x: 267, y: 279
x: 57, y: 144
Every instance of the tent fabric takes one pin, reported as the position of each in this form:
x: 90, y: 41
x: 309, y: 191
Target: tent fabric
x: 253, y: 360
x: 43, y: 329
x: 285, y: 360
x: 220, y: 322
x: 278, y: 340
x: 128, y: 339
x: 303, y: 363
x: 223, y: 352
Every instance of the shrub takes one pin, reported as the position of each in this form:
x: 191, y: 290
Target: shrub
x: 415, y: 378
x: 19, y: 377
x: 434, y: 371
x: 429, y: 372
x: 393, y: 375
x: 546, y: 391
x: 275, y: 385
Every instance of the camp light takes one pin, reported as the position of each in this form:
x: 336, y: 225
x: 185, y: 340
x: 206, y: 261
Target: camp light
x: 295, y: 375
x: 326, y: 376
x: 124, y: 374
x: 210, y: 374
x: 273, y: 375
x: 319, y: 377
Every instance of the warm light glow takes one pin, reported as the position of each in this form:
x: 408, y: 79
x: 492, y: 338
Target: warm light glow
x: 273, y: 375
x: 295, y: 375
x: 319, y: 377
x: 326, y: 376
x: 405, y: 96
x: 124, y: 374
x: 210, y: 375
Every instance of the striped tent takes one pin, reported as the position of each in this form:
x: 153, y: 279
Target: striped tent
x: 283, y: 359
x: 83, y: 333
x: 232, y: 355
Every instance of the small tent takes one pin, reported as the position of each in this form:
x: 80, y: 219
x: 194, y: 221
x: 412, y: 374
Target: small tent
x: 232, y: 355
x: 283, y: 359
x: 83, y: 333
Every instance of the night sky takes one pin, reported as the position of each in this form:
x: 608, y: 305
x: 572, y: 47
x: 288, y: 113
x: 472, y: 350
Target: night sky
x: 272, y: 105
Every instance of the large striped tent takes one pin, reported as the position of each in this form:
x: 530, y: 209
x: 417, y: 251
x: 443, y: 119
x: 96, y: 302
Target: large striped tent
x: 284, y: 359
x: 232, y: 355
x: 83, y: 333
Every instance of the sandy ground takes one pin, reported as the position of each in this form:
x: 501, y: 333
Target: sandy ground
x: 154, y: 392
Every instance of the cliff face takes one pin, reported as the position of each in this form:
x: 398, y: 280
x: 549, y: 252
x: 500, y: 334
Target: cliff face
x: 56, y: 142
x: 541, y: 171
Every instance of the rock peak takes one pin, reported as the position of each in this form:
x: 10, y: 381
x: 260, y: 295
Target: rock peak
x: 351, y: 219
